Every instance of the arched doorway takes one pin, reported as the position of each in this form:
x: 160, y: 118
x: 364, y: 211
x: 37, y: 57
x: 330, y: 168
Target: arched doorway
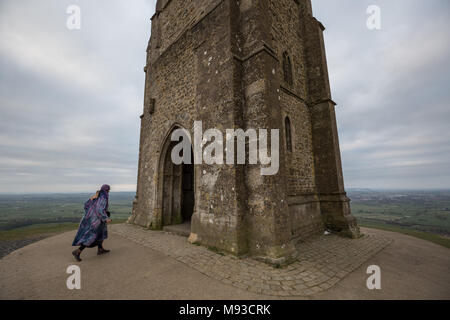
x: 177, y: 191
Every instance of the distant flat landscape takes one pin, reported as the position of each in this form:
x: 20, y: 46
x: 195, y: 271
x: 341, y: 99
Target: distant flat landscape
x: 418, y: 210
x: 23, y: 210
x: 27, y: 218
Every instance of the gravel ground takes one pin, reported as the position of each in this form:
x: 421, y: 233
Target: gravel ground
x: 6, y: 247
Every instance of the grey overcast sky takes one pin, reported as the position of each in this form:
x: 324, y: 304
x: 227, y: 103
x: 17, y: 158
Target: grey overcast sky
x: 70, y: 100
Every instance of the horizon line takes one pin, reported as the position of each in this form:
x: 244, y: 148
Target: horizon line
x: 127, y: 191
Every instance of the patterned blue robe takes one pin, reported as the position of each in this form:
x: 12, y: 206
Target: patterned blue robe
x: 92, y: 229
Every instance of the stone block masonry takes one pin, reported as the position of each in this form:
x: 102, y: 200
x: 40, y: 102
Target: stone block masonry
x: 249, y: 64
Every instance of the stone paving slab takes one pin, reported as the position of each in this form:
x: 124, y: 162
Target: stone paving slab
x: 323, y: 261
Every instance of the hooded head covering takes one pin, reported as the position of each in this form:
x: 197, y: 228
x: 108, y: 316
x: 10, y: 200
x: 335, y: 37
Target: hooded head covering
x: 103, y: 190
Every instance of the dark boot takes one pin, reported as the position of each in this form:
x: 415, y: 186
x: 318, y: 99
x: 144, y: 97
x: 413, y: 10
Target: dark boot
x: 76, y: 253
x: 102, y: 251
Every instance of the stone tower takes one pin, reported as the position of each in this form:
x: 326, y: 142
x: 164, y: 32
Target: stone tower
x: 241, y: 64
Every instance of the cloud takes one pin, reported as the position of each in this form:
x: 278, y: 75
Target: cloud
x: 68, y: 97
x: 390, y: 86
x: 70, y: 100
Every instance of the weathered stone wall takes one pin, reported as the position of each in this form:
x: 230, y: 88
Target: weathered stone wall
x: 220, y: 62
x: 193, y: 79
x: 304, y: 207
x: 334, y: 203
x: 268, y: 212
x: 299, y: 162
x: 218, y: 220
x: 171, y: 79
x: 172, y: 84
x: 174, y: 18
x: 287, y: 36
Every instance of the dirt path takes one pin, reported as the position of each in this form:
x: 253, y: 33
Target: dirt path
x: 410, y: 269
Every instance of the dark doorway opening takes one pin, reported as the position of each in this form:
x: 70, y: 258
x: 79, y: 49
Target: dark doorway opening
x: 187, y: 184
x: 178, y: 191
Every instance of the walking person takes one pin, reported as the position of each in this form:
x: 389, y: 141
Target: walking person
x: 93, y: 230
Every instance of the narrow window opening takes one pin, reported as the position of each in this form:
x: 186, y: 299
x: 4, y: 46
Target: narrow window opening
x: 287, y: 68
x: 287, y: 127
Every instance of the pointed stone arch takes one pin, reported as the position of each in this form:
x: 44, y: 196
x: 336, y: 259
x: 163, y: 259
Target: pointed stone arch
x: 175, y: 188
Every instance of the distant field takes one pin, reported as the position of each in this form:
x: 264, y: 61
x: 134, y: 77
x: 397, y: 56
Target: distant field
x: 18, y: 211
x: 426, y: 211
x: 33, y: 216
x: 37, y: 230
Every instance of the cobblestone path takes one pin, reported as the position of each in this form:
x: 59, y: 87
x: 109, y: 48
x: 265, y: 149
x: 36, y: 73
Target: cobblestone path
x: 323, y: 261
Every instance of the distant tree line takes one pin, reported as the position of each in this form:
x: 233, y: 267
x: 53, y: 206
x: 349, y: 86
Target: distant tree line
x: 19, y: 223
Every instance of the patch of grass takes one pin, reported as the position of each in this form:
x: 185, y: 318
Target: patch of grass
x: 415, y: 233
x: 38, y: 230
